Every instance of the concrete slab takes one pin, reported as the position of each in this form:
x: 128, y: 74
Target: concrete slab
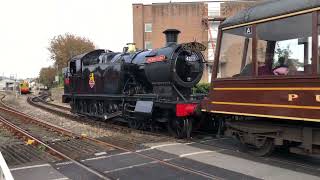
x: 73, y: 171
x: 288, y: 161
x: 222, y: 143
x: 158, y: 154
x: 116, y: 161
x: 220, y: 173
x: 248, y: 167
x: 183, y: 149
x: 33, y: 172
x: 217, y: 158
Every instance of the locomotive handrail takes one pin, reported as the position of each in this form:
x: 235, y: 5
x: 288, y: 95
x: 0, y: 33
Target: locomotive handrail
x: 179, y: 93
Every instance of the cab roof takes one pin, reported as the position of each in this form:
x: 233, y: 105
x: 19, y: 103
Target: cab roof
x: 270, y: 8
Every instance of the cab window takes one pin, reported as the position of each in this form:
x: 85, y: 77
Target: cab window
x: 75, y: 66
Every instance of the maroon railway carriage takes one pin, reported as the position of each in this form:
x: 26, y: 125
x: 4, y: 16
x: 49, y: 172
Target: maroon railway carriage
x: 266, y: 83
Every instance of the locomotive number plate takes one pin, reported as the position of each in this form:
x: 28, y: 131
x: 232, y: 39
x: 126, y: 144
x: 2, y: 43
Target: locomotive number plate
x: 156, y: 59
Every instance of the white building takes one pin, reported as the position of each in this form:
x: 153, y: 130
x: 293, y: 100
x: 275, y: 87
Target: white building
x: 6, y: 83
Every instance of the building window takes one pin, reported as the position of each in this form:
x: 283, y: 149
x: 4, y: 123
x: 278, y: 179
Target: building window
x: 147, y: 27
x: 148, y: 45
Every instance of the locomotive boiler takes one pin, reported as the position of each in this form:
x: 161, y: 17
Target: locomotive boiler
x: 146, y: 88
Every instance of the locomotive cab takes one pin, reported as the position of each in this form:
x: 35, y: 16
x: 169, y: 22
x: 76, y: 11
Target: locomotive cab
x: 70, y: 73
x: 266, y: 77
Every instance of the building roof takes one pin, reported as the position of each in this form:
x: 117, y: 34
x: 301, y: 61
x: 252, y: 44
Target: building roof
x: 270, y: 8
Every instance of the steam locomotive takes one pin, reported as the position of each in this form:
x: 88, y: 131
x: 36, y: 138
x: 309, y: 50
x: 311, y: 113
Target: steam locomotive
x: 145, y: 88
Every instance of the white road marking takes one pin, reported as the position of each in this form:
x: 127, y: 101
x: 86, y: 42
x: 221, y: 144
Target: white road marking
x: 203, y: 141
x: 100, y: 153
x: 158, y: 146
x: 104, y: 157
x: 141, y: 150
x: 164, y: 145
x: 64, y: 163
x: 194, y: 153
x: 61, y: 178
x: 29, y: 167
x: 168, y: 159
x: 4, y: 169
x: 128, y: 167
x: 190, y: 143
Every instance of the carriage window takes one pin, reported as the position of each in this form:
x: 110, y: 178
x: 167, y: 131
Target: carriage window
x: 284, y: 46
x: 318, y: 69
x: 236, y: 53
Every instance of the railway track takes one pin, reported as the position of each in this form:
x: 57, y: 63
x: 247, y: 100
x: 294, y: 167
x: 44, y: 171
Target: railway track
x: 278, y: 158
x: 107, y: 142
x: 131, y: 143
x: 16, y: 152
x: 58, y: 142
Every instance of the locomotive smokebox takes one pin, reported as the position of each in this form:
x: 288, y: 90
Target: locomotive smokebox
x: 171, y: 36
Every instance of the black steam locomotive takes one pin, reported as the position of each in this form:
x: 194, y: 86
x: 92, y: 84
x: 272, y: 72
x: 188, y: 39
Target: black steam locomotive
x: 147, y: 88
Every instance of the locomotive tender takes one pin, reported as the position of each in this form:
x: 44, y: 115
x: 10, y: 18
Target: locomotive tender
x: 146, y: 88
x: 266, y: 84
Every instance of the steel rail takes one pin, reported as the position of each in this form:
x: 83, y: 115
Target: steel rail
x: 166, y: 163
x: 273, y: 159
x: 72, y: 117
x: 159, y: 160
x: 51, y: 104
x: 103, y: 143
x: 25, y: 135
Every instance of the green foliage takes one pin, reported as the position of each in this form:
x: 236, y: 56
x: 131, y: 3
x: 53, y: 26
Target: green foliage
x: 285, y: 53
x: 61, y: 80
x: 47, y: 76
x: 201, y: 88
x: 63, y: 47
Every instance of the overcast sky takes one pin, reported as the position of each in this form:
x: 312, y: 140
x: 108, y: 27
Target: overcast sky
x: 26, y: 27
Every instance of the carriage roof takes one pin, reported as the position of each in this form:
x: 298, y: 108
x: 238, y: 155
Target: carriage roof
x: 268, y: 9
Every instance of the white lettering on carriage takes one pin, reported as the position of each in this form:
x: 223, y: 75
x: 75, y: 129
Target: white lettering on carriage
x: 291, y: 97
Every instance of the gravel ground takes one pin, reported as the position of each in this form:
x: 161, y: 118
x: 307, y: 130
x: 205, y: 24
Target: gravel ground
x: 20, y: 103
x: 92, y: 130
x: 56, y: 96
x: 6, y: 138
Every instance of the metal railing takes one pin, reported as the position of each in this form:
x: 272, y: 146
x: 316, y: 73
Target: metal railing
x: 5, y: 173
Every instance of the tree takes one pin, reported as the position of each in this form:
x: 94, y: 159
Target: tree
x: 286, y: 53
x: 63, y: 47
x: 47, y: 76
x: 283, y: 52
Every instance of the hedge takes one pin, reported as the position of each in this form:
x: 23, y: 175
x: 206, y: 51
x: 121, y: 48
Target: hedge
x: 202, y: 88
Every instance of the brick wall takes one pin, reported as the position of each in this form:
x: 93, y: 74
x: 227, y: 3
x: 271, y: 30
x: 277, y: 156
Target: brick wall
x: 186, y: 17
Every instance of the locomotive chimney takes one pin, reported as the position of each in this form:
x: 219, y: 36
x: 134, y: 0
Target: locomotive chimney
x: 171, y: 36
